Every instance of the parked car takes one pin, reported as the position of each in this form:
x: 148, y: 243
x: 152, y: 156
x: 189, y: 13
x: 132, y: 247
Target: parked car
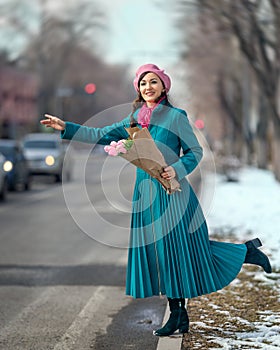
x: 46, y: 155
x: 3, y: 178
x: 16, y: 165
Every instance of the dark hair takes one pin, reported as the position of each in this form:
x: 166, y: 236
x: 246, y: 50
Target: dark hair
x: 139, y: 101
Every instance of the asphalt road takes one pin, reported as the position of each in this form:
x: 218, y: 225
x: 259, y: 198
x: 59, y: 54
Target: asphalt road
x: 63, y: 261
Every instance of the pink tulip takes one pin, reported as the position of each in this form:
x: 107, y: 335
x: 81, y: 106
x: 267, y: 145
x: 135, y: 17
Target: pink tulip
x: 113, y: 152
x: 121, y: 149
x: 115, y: 148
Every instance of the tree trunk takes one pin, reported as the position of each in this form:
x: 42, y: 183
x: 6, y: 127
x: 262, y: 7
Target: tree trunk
x: 276, y: 150
x: 261, y: 152
x: 262, y: 148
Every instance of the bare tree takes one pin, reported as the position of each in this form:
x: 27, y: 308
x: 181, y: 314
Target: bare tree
x: 216, y: 81
x: 53, y: 41
x: 256, y: 26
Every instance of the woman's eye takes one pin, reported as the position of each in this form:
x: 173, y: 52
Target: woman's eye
x: 154, y: 82
x: 142, y: 83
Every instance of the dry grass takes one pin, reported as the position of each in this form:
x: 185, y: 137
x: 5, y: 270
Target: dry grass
x: 233, y: 315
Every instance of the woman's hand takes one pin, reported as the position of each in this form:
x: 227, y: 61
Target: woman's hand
x: 169, y: 173
x: 53, y: 122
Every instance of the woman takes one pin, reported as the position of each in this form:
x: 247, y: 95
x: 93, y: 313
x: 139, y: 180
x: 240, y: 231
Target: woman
x: 170, y: 252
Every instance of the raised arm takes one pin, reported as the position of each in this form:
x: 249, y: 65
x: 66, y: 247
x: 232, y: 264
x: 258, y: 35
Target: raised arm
x: 82, y: 133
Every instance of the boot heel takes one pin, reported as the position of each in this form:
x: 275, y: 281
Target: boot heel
x: 255, y: 256
x: 184, y: 328
x: 256, y: 242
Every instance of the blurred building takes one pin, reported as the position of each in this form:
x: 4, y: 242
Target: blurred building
x: 18, y: 102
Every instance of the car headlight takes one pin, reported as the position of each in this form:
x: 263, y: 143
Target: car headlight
x: 50, y: 160
x: 8, y: 166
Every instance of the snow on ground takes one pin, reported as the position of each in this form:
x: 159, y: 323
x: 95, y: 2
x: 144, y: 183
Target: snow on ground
x: 246, y: 209
x: 251, y: 207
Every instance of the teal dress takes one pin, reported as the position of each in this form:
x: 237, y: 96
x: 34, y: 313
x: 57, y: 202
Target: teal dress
x: 170, y: 252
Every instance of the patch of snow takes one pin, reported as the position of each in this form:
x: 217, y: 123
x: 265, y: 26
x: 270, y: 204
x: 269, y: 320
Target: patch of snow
x: 241, y: 320
x: 223, y: 312
x: 200, y: 324
x: 214, y: 306
x: 272, y: 318
x: 263, y: 336
x: 251, y: 207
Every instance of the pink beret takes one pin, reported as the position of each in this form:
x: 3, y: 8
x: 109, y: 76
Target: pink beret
x: 153, y: 69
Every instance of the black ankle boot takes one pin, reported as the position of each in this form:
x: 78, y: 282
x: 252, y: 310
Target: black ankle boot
x: 255, y: 256
x: 184, y: 321
x: 178, y: 319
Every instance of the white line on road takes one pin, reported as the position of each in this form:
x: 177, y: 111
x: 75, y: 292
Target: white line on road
x: 21, y: 317
x: 82, y: 320
x: 73, y: 335
x: 36, y: 322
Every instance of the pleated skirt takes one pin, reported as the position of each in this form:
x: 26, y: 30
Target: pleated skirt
x: 170, y: 252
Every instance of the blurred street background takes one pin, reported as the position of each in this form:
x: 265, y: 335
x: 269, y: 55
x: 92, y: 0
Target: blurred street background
x: 63, y: 236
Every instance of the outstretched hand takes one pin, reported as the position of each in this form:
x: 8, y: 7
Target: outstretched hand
x: 53, y: 122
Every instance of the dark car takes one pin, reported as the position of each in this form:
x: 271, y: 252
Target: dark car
x: 46, y: 155
x: 3, y: 178
x: 15, y: 165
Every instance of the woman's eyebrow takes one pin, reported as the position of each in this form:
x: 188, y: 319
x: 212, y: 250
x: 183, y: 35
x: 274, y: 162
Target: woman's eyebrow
x: 149, y: 79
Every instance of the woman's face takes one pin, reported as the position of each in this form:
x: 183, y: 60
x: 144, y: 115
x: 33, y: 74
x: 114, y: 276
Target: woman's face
x: 151, y: 87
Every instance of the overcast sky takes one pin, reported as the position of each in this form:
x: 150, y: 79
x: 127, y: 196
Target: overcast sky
x: 140, y: 31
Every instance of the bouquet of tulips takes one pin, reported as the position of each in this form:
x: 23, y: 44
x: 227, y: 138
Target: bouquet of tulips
x: 140, y: 150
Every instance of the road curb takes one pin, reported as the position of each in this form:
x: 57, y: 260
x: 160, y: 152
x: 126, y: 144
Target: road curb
x: 172, y: 342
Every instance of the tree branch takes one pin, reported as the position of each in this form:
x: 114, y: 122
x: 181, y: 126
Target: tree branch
x: 261, y: 38
x: 275, y: 6
x: 227, y: 106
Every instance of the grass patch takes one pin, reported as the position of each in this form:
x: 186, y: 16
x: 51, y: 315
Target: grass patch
x: 244, y: 315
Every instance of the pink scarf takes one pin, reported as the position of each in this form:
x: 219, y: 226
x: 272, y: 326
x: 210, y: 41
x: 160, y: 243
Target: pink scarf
x: 145, y: 113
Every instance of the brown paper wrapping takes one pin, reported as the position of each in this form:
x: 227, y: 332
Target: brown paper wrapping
x: 145, y: 155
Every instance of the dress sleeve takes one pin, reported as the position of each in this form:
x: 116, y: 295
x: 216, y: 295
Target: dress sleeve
x: 101, y: 136
x: 192, y: 151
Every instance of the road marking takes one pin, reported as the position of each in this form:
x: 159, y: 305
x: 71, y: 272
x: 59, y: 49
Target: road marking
x: 91, y: 321
x: 98, y: 301
x: 172, y: 342
x: 82, y: 320
x: 16, y: 323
